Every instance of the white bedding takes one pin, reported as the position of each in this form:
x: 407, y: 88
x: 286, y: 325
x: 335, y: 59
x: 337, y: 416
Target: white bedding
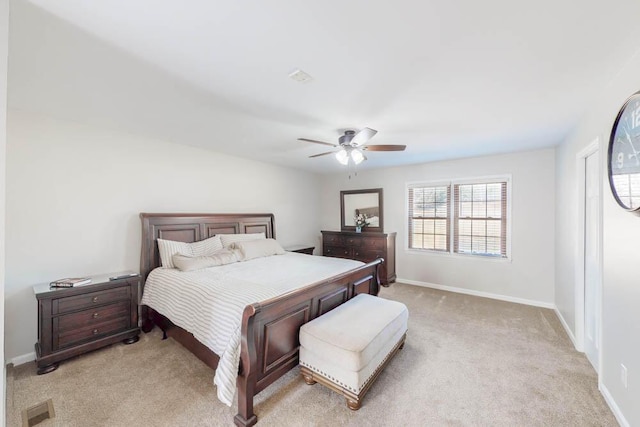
x: 209, y: 303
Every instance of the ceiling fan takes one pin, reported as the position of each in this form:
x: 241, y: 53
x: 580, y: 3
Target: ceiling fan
x: 351, y: 146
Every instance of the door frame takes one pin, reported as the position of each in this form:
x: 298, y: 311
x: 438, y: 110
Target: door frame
x: 581, y: 157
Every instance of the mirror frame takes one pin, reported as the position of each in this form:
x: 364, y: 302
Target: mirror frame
x: 343, y: 217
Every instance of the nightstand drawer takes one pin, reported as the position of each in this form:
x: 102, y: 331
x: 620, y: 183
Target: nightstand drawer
x: 89, y: 332
x: 79, y: 302
x: 93, y: 316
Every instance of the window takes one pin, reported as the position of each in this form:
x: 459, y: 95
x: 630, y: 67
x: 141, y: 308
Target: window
x: 472, y: 215
x: 480, y: 218
x: 429, y: 218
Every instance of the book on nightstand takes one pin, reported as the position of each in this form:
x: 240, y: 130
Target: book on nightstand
x: 69, y: 282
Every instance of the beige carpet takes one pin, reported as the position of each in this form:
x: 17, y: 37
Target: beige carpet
x: 467, y: 361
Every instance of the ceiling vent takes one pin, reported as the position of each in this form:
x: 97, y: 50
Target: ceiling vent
x: 300, y: 76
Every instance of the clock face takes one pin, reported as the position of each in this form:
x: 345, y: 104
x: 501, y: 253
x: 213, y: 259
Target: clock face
x: 624, y: 155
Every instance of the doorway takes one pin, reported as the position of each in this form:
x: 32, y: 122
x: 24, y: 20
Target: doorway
x: 592, y: 259
x: 589, y: 255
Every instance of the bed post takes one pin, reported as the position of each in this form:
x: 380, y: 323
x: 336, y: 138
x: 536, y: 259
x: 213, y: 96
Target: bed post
x: 145, y: 317
x: 378, y: 282
x: 246, y: 381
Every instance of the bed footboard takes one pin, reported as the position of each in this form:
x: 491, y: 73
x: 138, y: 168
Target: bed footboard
x: 270, y: 330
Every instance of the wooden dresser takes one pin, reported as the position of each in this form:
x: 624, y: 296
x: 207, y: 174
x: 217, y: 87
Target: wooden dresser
x: 72, y: 321
x: 365, y: 247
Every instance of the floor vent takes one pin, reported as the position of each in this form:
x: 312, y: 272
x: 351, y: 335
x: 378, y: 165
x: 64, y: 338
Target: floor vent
x: 38, y: 413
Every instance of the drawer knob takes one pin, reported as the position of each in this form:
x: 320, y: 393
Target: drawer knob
x: 346, y: 252
x: 94, y: 299
x: 95, y: 332
x: 95, y: 315
x: 357, y: 254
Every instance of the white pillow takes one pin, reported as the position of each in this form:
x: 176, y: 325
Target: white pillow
x: 187, y: 263
x: 228, y: 239
x: 256, y: 249
x: 168, y: 248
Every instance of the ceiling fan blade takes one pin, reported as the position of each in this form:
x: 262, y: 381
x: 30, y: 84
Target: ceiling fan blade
x: 363, y: 136
x: 322, y: 154
x: 383, y: 147
x: 317, y: 142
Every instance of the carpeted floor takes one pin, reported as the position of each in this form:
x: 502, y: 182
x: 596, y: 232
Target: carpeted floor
x: 467, y: 361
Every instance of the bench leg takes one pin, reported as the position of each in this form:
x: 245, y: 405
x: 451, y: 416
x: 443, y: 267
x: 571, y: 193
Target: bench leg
x: 308, y: 379
x: 354, y: 405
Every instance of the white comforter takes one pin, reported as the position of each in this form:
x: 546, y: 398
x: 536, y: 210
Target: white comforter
x: 209, y: 303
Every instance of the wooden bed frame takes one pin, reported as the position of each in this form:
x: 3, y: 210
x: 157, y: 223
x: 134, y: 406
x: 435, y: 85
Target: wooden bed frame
x: 270, y: 328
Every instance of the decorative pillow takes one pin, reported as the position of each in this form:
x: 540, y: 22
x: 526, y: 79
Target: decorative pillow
x: 257, y: 248
x: 168, y: 248
x: 188, y: 263
x: 228, y: 239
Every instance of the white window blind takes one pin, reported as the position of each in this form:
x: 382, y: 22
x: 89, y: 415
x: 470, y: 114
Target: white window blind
x: 462, y: 217
x: 480, y: 219
x: 429, y: 213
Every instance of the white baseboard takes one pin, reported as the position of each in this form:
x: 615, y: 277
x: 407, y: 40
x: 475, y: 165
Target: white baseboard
x: 613, y: 405
x: 478, y: 293
x: 567, y: 329
x: 22, y: 359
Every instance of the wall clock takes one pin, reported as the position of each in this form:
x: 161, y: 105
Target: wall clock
x: 624, y: 155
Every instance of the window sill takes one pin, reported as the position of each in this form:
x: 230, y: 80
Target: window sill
x: 428, y: 252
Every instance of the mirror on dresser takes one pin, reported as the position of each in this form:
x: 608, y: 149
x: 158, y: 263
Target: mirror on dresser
x: 367, y: 202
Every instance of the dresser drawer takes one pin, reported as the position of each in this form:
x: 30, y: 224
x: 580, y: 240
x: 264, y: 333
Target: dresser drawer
x: 93, y: 316
x: 352, y: 241
x: 63, y: 339
x: 365, y: 255
x: 337, y: 251
x: 333, y: 239
x: 373, y: 243
x: 79, y: 302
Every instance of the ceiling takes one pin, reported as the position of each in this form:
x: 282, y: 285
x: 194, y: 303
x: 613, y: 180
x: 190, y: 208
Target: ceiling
x: 448, y: 79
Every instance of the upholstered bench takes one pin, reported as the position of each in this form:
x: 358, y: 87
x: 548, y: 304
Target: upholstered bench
x: 347, y: 348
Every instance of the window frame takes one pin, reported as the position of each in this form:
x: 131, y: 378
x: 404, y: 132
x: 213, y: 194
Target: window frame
x: 435, y: 217
x: 451, y: 220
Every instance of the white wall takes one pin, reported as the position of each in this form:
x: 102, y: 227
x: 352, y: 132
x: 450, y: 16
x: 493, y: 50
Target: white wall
x: 621, y: 256
x: 74, y: 193
x: 4, y: 52
x: 529, y: 274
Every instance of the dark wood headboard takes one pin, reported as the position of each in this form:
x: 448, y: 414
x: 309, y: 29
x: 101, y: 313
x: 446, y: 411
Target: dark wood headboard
x: 187, y: 227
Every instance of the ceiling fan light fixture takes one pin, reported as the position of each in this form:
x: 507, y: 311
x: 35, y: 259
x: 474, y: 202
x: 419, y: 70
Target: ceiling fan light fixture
x: 357, y: 156
x: 343, y: 156
x: 352, y: 145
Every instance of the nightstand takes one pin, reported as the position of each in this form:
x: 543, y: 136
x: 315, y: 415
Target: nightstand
x: 73, y: 321
x: 301, y: 249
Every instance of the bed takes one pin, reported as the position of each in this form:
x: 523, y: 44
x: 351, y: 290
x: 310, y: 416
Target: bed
x: 269, y: 328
